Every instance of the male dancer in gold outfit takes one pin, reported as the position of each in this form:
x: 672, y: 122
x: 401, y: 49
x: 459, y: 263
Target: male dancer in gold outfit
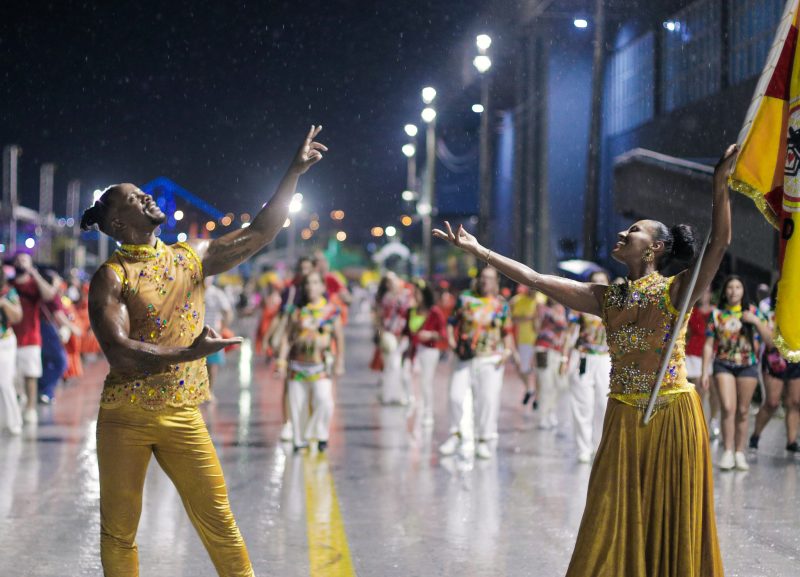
x: 146, y: 308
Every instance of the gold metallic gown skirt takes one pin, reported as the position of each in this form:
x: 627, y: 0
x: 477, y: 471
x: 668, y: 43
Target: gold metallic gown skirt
x: 650, y: 505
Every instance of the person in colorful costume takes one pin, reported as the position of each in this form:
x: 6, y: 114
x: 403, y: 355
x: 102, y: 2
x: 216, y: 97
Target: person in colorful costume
x: 590, y: 381
x: 10, y: 314
x: 735, y: 335
x: 480, y: 334
x: 307, y: 349
x: 426, y: 331
x: 391, y: 311
x: 781, y: 381
x: 146, y: 308
x: 650, y: 482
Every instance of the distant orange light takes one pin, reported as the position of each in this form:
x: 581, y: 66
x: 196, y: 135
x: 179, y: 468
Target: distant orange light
x: 226, y: 220
x: 377, y: 231
x: 314, y: 225
x: 406, y: 220
x: 306, y: 234
x: 245, y: 217
x: 211, y: 225
x: 337, y: 215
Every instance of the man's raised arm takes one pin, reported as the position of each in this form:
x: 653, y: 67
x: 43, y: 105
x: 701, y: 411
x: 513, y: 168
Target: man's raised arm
x: 234, y: 248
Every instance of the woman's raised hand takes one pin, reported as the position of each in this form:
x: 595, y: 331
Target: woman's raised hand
x: 461, y: 238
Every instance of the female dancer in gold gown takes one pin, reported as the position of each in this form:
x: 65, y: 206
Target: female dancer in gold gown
x: 650, y: 507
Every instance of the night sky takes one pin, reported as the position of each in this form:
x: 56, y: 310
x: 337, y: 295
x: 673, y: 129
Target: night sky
x: 217, y: 98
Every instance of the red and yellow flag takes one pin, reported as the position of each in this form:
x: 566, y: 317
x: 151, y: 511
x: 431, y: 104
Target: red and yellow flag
x: 768, y: 168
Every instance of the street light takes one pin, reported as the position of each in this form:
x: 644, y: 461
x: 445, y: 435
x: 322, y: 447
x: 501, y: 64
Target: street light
x: 428, y: 94
x: 482, y: 62
x: 409, y: 195
x: 423, y: 208
x: 296, y: 205
x: 390, y: 231
x: 178, y: 215
x: 409, y: 150
x: 580, y: 23
x: 428, y: 115
x: 411, y: 130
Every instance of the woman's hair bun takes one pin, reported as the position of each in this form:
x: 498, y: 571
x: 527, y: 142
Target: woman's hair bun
x: 684, y: 243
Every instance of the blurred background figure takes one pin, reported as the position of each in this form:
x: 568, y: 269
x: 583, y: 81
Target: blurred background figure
x: 551, y: 362
x: 781, y: 383
x: 480, y: 334
x: 426, y: 330
x: 309, y: 360
x: 523, y: 313
x: 590, y: 382
x: 219, y: 316
x: 56, y: 330
x: 695, y: 341
x: 391, y: 310
x: 10, y: 314
x: 735, y: 334
x: 33, y: 292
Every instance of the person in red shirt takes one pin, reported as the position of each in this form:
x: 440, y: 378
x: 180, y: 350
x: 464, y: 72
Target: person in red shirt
x: 695, y: 340
x: 426, y: 329
x: 33, y: 290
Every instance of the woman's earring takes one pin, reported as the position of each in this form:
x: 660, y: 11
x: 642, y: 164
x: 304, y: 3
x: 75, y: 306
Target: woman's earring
x: 649, y: 256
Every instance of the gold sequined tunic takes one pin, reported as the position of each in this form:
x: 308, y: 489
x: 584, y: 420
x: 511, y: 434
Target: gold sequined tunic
x: 639, y: 318
x: 163, y: 290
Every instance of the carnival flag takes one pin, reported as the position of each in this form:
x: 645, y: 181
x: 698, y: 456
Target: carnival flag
x: 768, y: 169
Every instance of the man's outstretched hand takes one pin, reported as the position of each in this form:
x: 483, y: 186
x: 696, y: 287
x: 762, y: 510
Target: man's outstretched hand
x: 309, y: 153
x: 209, y: 342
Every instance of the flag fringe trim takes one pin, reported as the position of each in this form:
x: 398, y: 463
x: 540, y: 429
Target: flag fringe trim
x: 758, y: 198
x: 791, y: 355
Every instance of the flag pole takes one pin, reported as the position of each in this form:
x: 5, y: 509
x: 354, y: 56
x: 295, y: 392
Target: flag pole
x: 676, y: 331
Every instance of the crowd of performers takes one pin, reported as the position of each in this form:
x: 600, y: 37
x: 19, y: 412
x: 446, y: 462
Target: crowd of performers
x: 45, y: 335
x: 598, y: 344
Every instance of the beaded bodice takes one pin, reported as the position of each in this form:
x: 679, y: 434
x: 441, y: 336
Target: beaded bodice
x: 639, y: 318
x: 163, y: 291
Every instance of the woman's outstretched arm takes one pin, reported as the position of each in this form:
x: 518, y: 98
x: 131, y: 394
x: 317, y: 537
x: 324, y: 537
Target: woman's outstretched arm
x: 579, y: 296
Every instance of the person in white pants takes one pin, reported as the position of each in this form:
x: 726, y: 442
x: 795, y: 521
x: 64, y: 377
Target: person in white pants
x: 313, y: 335
x: 390, y: 320
x: 551, y: 362
x: 590, y: 384
x: 480, y: 333
x: 426, y: 330
x: 10, y: 314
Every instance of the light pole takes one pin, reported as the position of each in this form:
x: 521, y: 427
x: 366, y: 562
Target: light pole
x: 410, y: 150
x: 483, y: 63
x: 428, y: 199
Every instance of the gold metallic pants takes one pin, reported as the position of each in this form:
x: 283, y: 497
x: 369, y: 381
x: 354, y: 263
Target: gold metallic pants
x: 126, y: 438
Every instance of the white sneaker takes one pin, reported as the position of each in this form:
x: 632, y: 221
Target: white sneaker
x: 727, y: 462
x: 287, y: 434
x: 450, y: 445
x: 30, y: 416
x: 741, y: 461
x: 584, y: 458
x: 482, y: 451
